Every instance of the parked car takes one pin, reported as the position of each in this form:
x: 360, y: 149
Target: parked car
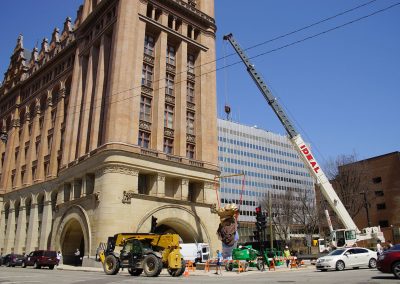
x: 340, y: 259
x: 389, y: 261
x: 40, y: 258
x: 12, y: 260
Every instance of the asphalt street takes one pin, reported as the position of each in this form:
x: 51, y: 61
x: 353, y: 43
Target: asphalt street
x: 30, y: 275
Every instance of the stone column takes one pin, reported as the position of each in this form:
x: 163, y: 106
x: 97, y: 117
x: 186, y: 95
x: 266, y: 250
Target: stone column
x: 32, y: 143
x: 100, y: 83
x: 84, y: 186
x: 208, y: 193
x: 57, y: 134
x: 74, y: 106
x: 157, y: 130
x: 87, y: 103
x: 185, y: 189
x: 10, y: 234
x: 60, y: 195
x: 47, y: 217
x: 32, y: 239
x: 180, y: 100
x: 160, y: 185
x: 2, y: 225
x: 21, y: 228
x: 153, y: 13
x: 9, y: 153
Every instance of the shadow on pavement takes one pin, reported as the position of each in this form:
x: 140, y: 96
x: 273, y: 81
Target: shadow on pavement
x: 385, y: 277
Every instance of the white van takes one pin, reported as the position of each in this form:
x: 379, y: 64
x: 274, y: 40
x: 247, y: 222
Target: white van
x: 196, y: 252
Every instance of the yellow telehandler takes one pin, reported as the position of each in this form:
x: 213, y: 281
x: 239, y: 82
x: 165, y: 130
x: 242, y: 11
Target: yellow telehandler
x: 143, y: 252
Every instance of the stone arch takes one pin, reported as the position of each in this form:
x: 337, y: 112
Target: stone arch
x: 180, y: 220
x: 73, y: 232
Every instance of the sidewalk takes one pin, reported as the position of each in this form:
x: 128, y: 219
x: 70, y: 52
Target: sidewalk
x: 211, y: 273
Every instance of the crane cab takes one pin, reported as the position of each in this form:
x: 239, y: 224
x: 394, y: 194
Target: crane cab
x: 343, y: 238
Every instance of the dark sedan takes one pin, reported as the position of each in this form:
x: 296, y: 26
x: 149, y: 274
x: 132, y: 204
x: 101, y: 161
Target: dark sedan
x: 389, y: 261
x: 12, y: 260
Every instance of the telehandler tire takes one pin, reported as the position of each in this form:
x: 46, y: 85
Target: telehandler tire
x: 151, y: 265
x: 135, y: 272
x: 111, y: 265
x: 176, y: 272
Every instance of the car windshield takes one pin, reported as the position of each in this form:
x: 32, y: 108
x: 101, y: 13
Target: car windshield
x: 337, y: 252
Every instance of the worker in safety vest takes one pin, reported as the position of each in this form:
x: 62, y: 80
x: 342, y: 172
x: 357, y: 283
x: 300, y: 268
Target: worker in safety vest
x: 286, y: 254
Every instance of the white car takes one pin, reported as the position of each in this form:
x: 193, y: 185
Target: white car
x: 340, y: 259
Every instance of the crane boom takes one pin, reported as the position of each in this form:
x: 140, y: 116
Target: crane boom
x: 297, y: 141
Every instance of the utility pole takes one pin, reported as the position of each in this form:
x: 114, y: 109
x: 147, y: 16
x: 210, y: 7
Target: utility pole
x: 366, y: 207
x: 270, y: 220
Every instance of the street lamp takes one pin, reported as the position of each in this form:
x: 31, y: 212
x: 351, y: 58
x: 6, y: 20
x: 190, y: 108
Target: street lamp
x: 3, y: 136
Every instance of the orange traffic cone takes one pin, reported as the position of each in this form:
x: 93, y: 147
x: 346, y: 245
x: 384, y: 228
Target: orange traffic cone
x: 186, y: 273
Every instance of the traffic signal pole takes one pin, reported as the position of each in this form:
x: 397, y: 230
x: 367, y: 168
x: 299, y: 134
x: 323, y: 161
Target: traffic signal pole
x: 270, y: 221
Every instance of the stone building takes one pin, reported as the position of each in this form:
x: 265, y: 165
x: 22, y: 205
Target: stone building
x: 109, y: 123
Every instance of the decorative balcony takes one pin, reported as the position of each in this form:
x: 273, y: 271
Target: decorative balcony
x: 144, y: 125
x: 174, y: 158
x: 148, y: 59
x: 168, y: 132
x: 191, y: 76
x: 149, y: 152
x: 170, y: 99
x: 171, y: 68
x: 196, y: 164
x: 147, y: 90
x: 190, y: 138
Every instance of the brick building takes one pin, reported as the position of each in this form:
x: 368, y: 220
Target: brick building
x: 111, y: 122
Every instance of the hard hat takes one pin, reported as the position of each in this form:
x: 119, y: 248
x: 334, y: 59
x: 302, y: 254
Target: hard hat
x: 286, y: 247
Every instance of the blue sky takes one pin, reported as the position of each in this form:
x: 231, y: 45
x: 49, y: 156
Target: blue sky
x: 342, y: 88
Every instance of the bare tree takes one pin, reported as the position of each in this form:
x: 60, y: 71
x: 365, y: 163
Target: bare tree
x: 305, y: 213
x: 348, y: 178
x: 282, y: 213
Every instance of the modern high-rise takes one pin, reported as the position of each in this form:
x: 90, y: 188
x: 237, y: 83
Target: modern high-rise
x: 110, y: 122
x: 271, y: 166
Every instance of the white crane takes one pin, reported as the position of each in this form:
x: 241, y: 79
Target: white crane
x: 339, y: 237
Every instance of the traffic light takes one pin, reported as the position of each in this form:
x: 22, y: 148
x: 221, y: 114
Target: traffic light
x: 261, y: 222
x: 153, y: 224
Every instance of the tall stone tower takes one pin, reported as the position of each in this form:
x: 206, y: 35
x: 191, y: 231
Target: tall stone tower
x: 111, y: 122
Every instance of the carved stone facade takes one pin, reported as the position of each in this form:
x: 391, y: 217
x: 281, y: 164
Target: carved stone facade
x: 86, y: 156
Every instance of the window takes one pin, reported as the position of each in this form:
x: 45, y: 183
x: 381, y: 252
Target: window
x: 171, y: 55
x: 169, y: 84
x: 49, y: 143
x: 53, y: 118
x: 377, y: 180
x: 149, y: 45
x: 190, y: 92
x: 384, y: 223
x: 34, y: 173
x: 147, y: 75
x: 190, y: 151
x: 41, y: 120
x: 381, y: 206
x: 144, y: 139
x: 168, y: 145
x: 37, y: 148
x: 169, y: 116
x: 190, y: 122
x: 379, y: 193
x: 47, y: 168
x: 145, y: 108
x: 190, y: 63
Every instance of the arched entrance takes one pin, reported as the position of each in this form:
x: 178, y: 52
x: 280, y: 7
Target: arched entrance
x: 176, y: 226
x: 72, y: 238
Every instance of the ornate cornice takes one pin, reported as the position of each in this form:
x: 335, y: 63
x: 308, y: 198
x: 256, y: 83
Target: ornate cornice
x: 145, y: 125
x: 117, y: 169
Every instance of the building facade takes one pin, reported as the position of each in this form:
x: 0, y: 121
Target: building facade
x: 111, y: 122
x: 383, y: 194
x: 270, y: 164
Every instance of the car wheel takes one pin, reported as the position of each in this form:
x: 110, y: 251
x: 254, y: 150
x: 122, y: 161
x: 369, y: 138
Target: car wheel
x: 51, y: 267
x: 396, y: 269
x: 36, y: 265
x: 324, y: 270
x: 339, y: 265
x: 7, y: 264
x: 372, y: 263
x: 23, y: 265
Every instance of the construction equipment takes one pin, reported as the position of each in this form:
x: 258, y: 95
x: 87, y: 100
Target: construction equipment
x: 341, y: 237
x: 146, y: 252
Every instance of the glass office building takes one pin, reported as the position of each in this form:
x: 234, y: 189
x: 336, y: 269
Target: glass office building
x: 270, y: 164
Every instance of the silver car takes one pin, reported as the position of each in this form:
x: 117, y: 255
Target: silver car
x: 340, y: 259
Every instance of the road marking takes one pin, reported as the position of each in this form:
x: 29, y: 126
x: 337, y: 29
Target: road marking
x: 84, y: 280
